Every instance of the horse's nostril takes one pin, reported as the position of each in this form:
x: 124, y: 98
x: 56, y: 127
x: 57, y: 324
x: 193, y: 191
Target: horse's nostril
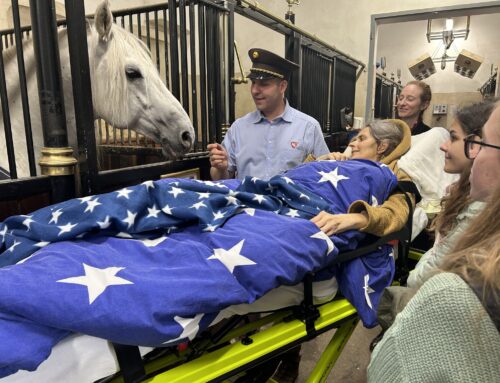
x: 187, y: 139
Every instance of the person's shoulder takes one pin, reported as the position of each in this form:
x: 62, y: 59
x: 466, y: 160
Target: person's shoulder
x: 297, y: 115
x: 472, y: 210
x: 442, y: 281
x: 420, y: 128
x: 445, y: 291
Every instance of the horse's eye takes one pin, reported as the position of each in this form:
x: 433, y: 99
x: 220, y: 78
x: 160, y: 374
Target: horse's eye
x: 133, y: 73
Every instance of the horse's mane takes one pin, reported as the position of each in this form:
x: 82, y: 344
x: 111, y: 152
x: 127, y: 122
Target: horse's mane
x: 121, y: 45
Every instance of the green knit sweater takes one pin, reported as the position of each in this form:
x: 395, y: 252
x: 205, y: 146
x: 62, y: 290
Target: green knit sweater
x: 443, y: 335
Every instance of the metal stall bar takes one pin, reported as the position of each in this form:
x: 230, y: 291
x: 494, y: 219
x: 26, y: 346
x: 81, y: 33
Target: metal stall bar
x: 203, y: 76
x: 22, y: 86
x: 174, y: 54
x: 157, y: 41
x: 165, y: 47
x: 148, y: 33
x: 213, y: 131
x: 6, y: 118
x: 230, y: 39
x: 183, y: 48
x: 82, y: 93
x: 56, y: 156
x: 194, y: 92
x: 218, y: 100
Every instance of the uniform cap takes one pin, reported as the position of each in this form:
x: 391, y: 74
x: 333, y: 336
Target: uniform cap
x: 266, y: 65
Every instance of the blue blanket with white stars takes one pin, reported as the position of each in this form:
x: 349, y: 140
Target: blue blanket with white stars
x: 155, y: 263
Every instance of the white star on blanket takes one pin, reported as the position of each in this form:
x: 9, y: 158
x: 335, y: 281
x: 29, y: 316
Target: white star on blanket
x: 333, y: 177
x: 232, y: 257
x: 124, y: 193
x: 368, y: 290
x: 190, y: 327
x: 55, y: 216
x: 324, y: 237
x: 97, y: 280
x: 153, y: 242
x: 66, y: 228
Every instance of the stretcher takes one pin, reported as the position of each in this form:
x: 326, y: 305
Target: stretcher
x: 247, y: 352
x: 239, y: 348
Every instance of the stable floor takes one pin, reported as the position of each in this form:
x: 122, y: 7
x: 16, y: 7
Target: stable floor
x: 352, y: 363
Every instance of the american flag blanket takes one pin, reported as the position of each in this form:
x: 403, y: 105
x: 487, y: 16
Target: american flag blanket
x: 153, y: 264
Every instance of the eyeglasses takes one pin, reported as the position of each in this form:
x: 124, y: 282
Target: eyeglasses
x: 473, y: 147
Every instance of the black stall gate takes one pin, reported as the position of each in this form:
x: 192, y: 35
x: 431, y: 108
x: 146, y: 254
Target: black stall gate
x: 386, y: 95
x: 191, y: 43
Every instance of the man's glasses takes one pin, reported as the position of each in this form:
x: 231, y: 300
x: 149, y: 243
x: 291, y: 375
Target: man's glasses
x: 473, y: 147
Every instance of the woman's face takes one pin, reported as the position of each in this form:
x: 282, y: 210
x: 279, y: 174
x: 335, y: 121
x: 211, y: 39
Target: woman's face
x: 409, y: 102
x: 485, y: 173
x: 364, y: 146
x: 455, y: 161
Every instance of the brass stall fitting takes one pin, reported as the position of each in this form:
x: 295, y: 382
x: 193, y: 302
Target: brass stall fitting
x: 57, y: 161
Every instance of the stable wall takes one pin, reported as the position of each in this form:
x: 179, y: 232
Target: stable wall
x: 344, y: 24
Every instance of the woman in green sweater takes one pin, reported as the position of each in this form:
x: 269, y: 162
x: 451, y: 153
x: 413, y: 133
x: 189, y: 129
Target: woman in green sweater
x: 449, y: 331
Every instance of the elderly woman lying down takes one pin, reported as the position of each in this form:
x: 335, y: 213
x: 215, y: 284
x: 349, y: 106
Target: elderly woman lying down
x: 156, y: 263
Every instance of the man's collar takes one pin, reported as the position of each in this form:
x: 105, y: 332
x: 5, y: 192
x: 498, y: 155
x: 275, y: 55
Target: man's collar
x: 285, y: 116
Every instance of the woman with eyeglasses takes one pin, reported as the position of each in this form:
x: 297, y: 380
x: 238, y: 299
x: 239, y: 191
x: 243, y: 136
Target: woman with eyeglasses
x: 449, y: 330
x: 458, y: 207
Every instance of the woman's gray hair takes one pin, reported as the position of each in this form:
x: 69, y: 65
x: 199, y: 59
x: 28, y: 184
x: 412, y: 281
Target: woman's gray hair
x: 384, y: 131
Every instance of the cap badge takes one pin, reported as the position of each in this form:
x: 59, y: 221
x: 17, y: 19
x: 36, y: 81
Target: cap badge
x: 255, y: 54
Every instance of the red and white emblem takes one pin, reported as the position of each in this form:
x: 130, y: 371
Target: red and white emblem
x: 294, y: 144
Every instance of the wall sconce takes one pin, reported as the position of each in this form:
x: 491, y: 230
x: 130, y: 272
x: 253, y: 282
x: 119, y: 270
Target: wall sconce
x: 422, y: 67
x: 467, y: 63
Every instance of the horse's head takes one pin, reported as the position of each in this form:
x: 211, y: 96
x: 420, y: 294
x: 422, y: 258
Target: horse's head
x: 127, y: 90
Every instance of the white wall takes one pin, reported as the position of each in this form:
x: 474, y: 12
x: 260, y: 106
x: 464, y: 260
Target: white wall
x: 344, y: 24
x: 411, y: 42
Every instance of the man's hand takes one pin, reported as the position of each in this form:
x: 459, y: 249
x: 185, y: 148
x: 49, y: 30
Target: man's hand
x: 218, y: 156
x: 332, y: 224
x: 333, y: 156
x: 218, y: 162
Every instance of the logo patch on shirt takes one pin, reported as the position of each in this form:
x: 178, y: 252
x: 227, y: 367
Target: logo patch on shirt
x: 294, y: 144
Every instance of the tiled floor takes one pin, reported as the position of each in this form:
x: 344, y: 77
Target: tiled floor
x: 351, y: 365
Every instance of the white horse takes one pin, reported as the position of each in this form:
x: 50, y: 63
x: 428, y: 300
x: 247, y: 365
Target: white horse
x: 127, y: 92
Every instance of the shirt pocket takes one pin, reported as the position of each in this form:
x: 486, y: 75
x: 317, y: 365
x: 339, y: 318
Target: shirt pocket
x: 290, y: 158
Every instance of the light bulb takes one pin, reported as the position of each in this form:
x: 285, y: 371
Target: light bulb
x: 449, y: 25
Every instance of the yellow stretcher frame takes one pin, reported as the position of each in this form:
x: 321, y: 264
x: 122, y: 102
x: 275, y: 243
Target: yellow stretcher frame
x: 271, y: 335
x: 277, y: 334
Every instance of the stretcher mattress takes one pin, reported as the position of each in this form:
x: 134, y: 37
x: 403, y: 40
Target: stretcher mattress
x: 82, y: 358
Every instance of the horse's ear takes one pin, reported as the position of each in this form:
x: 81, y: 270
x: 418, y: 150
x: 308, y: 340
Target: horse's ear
x: 103, y: 20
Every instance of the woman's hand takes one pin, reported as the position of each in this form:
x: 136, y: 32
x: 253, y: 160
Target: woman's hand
x: 333, y: 156
x: 337, y: 223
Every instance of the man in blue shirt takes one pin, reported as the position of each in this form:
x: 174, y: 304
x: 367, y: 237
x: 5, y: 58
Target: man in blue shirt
x: 273, y: 138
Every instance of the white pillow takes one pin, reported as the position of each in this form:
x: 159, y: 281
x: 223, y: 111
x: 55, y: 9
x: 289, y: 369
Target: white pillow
x: 424, y: 163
